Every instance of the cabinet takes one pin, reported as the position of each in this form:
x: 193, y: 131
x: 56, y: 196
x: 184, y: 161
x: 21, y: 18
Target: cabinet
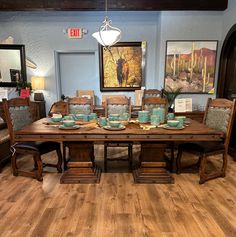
x: 42, y: 109
x: 195, y: 115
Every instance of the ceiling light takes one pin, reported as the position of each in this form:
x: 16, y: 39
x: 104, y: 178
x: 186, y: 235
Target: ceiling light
x: 107, y: 34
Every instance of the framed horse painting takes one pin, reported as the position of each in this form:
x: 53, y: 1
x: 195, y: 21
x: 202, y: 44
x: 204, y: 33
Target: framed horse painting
x: 122, y: 66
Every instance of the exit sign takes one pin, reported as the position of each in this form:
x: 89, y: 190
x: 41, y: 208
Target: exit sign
x: 74, y: 33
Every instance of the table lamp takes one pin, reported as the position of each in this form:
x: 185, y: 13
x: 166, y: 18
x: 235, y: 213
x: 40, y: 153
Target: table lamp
x: 38, y: 84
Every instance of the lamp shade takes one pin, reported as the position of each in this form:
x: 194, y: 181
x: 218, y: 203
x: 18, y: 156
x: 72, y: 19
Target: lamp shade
x: 107, y: 38
x: 107, y: 34
x: 37, y: 83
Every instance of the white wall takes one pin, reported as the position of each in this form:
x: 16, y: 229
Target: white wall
x: 42, y: 34
x: 229, y: 17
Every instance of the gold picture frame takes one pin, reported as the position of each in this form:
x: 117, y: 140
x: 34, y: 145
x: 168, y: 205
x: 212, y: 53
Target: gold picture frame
x: 122, y: 66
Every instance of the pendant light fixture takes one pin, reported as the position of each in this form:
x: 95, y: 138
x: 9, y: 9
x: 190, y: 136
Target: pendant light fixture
x: 107, y: 34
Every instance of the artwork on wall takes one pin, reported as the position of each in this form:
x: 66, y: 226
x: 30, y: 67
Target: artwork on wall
x: 122, y: 66
x: 190, y: 65
x: 15, y: 75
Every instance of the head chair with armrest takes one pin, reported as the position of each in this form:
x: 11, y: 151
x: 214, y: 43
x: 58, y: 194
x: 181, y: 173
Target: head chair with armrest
x: 219, y: 115
x: 117, y: 105
x: 20, y: 112
x: 59, y: 107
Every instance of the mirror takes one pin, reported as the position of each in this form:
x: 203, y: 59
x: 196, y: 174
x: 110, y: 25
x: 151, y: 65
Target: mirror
x: 12, y: 64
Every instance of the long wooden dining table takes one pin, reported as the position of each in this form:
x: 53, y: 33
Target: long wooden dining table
x: 82, y: 168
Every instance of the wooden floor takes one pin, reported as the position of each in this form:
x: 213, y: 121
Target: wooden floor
x: 117, y: 207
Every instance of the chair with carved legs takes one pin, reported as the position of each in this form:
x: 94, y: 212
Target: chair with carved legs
x: 118, y: 105
x: 219, y: 115
x: 20, y: 112
x: 77, y: 105
x: 148, y: 103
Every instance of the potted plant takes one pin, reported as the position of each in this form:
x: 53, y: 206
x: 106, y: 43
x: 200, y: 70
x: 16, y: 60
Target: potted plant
x: 24, y: 85
x: 170, y: 94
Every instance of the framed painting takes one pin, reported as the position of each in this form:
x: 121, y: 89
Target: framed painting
x: 190, y: 65
x: 15, y: 75
x: 122, y: 66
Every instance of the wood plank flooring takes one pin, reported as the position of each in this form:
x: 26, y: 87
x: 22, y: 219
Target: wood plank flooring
x: 117, y: 207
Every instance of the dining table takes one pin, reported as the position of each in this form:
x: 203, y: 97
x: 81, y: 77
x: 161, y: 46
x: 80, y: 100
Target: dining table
x: 80, y: 139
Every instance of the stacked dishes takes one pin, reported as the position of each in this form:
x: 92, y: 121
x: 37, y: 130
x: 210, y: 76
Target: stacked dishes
x: 159, y: 112
x: 143, y: 116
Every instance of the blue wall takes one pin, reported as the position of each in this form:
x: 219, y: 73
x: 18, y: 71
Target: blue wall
x: 42, y: 34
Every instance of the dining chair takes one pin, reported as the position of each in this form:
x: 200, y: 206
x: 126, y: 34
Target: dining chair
x: 152, y: 93
x: 76, y: 105
x: 117, y: 105
x: 80, y: 105
x: 86, y: 93
x: 20, y: 112
x: 149, y: 103
x: 59, y: 107
x: 219, y: 115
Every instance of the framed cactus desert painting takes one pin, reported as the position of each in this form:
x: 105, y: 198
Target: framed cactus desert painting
x: 190, y: 65
x: 122, y: 66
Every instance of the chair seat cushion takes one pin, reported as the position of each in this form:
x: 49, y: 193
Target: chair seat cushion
x: 204, y: 147
x: 41, y: 147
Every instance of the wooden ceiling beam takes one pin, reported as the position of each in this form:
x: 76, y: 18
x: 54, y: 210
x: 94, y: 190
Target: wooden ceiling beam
x: 113, y: 5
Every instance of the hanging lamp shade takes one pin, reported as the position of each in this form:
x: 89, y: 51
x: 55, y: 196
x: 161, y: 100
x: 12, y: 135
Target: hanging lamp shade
x: 107, y: 34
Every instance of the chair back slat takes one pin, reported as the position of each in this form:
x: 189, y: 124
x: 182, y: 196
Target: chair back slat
x: 152, y: 93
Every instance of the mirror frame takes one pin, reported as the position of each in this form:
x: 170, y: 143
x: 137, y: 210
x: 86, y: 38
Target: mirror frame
x: 21, y: 48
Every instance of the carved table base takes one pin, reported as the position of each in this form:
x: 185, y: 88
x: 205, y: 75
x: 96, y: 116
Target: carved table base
x: 80, y: 166
x: 152, y: 167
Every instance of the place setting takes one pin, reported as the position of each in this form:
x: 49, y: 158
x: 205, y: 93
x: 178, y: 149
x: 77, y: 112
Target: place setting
x: 69, y: 125
x: 114, y: 122
x: 174, y: 122
x: 72, y: 121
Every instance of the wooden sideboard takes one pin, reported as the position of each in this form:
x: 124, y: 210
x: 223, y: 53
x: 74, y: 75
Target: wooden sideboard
x: 195, y: 115
x: 41, y: 107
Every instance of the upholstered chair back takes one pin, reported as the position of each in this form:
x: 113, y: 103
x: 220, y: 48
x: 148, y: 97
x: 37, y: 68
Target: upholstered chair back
x: 153, y: 102
x: 219, y: 115
x: 117, y: 105
x: 19, y: 112
x: 80, y: 105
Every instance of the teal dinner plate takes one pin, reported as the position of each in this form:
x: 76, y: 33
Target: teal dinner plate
x: 114, y: 128
x: 172, y: 128
x: 69, y: 128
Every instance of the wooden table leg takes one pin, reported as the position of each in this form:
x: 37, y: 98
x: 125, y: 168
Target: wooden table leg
x: 80, y: 165
x: 152, y: 167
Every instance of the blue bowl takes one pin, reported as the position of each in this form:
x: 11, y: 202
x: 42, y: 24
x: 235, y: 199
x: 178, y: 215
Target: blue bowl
x: 56, y: 119
x: 114, y: 124
x: 172, y: 123
x: 68, y: 123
